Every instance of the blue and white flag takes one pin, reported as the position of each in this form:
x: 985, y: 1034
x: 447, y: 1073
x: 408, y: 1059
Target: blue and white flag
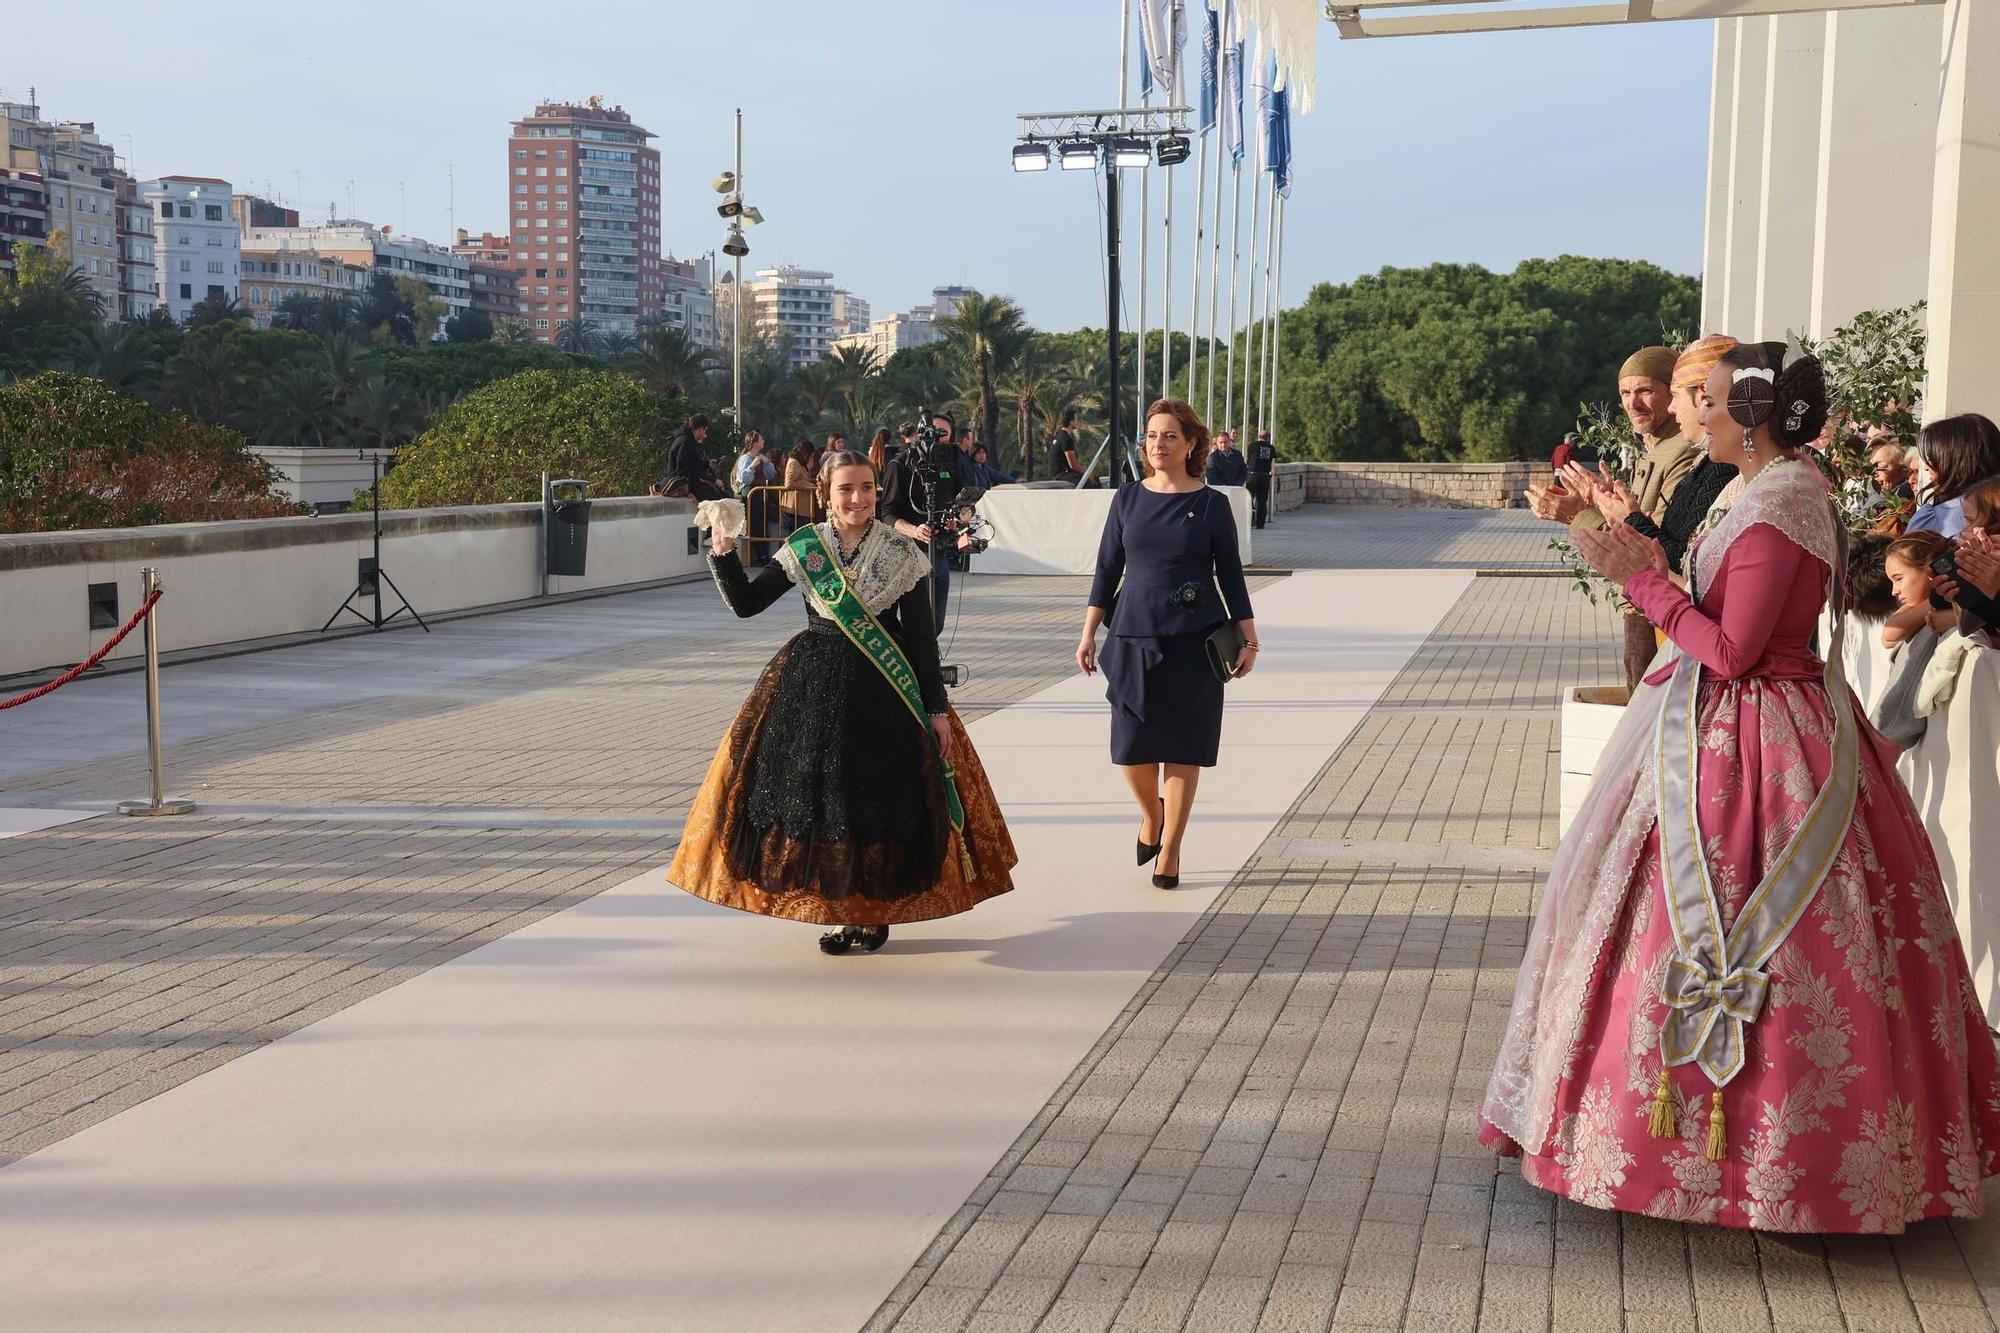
x: 1211, y: 44
x: 1260, y: 86
x: 1232, y: 87
x: 1278, y: 140
x: 1162, y: 24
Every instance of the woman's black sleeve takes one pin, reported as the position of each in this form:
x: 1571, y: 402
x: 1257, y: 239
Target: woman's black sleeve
x: 747, y: 596
x: 1229, y: 560
x: 1110, y: 560
x: 1977, y: 604
x: 919, y: 639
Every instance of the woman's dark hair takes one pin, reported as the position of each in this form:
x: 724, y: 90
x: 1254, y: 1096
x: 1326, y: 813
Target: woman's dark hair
x: 1982, y: 505
x: 1191, y: 426
x: 878, y: 449
x: 1800, y: 412
x: 695, y: 422
x: 803, y: 454
x: 1962, y: 451
x: 1869, y: 596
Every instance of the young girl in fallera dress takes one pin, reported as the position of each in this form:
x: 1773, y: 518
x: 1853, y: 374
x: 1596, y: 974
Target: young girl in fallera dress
x: 846, y: 793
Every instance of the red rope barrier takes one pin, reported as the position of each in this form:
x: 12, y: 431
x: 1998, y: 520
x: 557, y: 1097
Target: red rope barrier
x: 88, y: 662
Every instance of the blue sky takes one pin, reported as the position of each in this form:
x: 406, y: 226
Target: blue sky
x: 878, y: 130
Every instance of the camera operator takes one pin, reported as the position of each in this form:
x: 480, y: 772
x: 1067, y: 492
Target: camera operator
x: 923, y: 481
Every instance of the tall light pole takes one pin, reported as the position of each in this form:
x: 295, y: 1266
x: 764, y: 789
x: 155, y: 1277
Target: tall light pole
x: 1115, y: 139
x: 730, y: 185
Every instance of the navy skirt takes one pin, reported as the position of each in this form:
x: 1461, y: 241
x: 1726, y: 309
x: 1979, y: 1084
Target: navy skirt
x: 1166, y: 704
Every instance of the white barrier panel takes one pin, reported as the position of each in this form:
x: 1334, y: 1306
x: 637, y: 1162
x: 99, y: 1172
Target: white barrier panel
x: 1954, y: 777
x: 1057, y: 531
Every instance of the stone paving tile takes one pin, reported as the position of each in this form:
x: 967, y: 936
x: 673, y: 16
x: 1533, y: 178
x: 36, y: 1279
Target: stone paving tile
x: 1300, y: 1078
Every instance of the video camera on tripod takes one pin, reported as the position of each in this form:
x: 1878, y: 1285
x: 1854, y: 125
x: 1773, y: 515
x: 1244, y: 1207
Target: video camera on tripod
x: 937, y: 474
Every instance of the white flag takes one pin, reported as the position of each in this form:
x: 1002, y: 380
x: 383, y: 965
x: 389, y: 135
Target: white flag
x: 1161, y: 25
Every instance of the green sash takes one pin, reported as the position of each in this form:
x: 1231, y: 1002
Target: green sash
x: 839, y: 604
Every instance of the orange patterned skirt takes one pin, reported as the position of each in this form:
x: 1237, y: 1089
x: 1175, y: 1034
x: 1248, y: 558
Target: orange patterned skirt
x: 824, y: 804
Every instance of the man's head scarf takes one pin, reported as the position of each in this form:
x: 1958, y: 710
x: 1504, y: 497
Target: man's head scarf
x: 1702, y: 356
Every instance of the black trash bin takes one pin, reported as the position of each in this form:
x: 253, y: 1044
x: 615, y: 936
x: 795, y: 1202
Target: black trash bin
x: 566, y: 525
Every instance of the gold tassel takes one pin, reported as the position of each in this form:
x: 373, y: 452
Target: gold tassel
x: 1665, y: 1124
x: 1718, y: 1136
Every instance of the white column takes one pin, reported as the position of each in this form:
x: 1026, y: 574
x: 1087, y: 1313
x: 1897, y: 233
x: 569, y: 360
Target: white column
x: 1965, y: 257
x: 1790, y: 187
x: 1746, y: 172
x: 1878, y: 140
x: 1721, y: 132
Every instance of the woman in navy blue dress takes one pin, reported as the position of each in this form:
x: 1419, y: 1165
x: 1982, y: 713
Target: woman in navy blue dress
x: 1168, y: 573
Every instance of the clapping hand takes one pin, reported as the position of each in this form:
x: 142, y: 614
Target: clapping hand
x: 1579, y: 481
x: 1553, y: 505
x: 720, y: 544
x: 1619, y: 553
x: 1607, y: 495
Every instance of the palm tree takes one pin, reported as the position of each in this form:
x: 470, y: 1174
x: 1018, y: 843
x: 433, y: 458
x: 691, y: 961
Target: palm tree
x: 384, y: 413
x: 819, y: 384
x: 75, y: 287
x: 206, y: 376
x: 615, y: 346
x: 215, y: 309
x: 510, y: 332
x: 1038, y: 385
x: 117, y: 354
x: 668, y: 361
x: 577, y: 336
x: 295, y: 407
x: 343, y: 362
x: 918, y: 378
x: 988, y: 330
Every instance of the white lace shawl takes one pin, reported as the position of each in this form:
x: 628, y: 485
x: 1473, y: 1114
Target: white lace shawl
x: 1595, y: 864
x: 887, y: 566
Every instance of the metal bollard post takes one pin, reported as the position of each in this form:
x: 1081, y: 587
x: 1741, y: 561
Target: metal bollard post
x: 161, y: 803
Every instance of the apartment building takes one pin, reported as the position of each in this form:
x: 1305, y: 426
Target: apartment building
x: 196, y: 245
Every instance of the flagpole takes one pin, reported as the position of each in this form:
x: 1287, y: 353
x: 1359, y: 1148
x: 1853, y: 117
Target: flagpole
x: 1277, y: 323
x: 1214, y: 254
x: 1235, y: 255
x: 1194, y: 276
x: 1167, y: 240
x: 1250, y: 305
x: 1270, y: 251
x: 1145, y: 235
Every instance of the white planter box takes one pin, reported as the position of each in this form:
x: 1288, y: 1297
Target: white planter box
x: 1589, y: 715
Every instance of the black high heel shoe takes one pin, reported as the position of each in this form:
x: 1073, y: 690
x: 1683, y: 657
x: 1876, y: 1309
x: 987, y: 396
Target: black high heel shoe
x: 1149, y: 850
x: 865, y: 938
x: 1166, y: 881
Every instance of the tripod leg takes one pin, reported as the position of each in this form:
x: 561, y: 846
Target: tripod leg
x: 383, y: 576
x: 347, y: 606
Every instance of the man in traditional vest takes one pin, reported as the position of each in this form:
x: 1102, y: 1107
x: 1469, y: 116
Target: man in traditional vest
x: 1645, y: 387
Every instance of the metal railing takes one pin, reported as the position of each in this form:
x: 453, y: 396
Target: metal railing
x: 779, y: 524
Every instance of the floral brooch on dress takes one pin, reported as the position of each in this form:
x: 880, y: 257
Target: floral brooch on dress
x: 815, y: 563
x: 1185, y: 595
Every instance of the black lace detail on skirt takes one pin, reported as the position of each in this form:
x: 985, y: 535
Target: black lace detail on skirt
x: 838, y: 794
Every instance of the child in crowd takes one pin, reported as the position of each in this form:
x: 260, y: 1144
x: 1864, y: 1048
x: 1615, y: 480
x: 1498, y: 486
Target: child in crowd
x: 1912, y: 633
x: 1869, y: 596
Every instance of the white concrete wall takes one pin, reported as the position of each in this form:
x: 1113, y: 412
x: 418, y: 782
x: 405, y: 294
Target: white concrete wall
x: 1878, y: 136
x: 230, y: 582
x: 1964, y: 280
x: 1795, y: 57
x: 1746, y: 172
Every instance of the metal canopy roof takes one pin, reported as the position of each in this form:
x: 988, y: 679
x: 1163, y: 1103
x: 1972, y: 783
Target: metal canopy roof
x: 1411, y: 18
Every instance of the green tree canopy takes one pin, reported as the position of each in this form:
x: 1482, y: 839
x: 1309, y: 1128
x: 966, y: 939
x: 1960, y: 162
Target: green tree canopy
x: 492, y: 446
x: 1454, y: 362
x: 76, y: 453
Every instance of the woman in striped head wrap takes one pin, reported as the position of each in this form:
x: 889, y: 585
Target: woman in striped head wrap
x: 1700, y: 494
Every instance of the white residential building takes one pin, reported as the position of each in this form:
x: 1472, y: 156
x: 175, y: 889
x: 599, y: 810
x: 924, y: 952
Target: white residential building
x: 886, y: 337
x: 800, y: 301
x: 196, y: 248
x: 375, y: 249
x: 690, y: 299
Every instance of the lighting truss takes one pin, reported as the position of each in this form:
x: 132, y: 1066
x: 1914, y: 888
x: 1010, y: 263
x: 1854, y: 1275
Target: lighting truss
x: 1414, y: 18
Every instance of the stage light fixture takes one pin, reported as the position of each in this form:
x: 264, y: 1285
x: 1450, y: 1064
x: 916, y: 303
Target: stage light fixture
x: 724, y: 183
x: 1078, y: 156
x: 1131, y: 152
x: 1031, y: 157
x: 1174, y: 150
x: 731, y: 206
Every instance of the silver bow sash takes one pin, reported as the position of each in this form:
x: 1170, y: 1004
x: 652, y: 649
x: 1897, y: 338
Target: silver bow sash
x: 1716, y: 984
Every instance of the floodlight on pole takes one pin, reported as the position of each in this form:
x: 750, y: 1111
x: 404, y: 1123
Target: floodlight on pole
x: 734, y: 245
x: 725, y: 183
x: 731, y: 206
x: 1078, y: 156
x: 1031, y: 157
x: 751, y: 217
x: 1174, y: 150
x: 1131, y: 152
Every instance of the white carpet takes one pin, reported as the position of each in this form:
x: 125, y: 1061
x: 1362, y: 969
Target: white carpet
x: 648, y: 1112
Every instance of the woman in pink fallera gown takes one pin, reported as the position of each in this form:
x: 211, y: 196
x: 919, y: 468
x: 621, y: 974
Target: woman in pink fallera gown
x: 1744, y: 1001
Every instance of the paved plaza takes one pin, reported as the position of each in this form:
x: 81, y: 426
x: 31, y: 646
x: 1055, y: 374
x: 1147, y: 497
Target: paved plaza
x: 423, y: 898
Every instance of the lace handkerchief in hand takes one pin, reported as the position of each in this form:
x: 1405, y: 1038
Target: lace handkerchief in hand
x: 724, y: 516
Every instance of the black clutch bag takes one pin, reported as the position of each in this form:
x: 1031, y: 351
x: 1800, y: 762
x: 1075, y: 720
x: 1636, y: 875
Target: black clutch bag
x: 1224, y: 644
